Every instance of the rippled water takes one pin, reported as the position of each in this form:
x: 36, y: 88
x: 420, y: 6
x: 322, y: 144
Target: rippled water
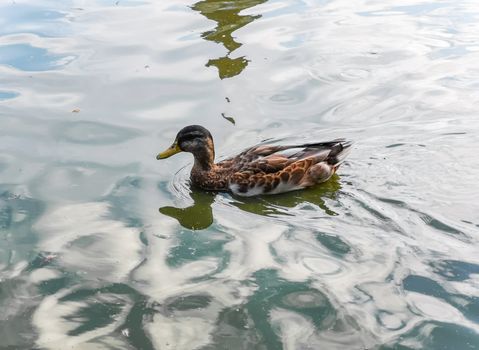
x: 103, y: 247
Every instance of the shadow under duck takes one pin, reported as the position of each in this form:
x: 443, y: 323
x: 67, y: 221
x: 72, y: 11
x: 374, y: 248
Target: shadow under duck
x: 261, y: 169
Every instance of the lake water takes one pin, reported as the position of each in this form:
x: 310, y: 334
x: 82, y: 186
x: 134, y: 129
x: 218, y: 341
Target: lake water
x: 103, y: 247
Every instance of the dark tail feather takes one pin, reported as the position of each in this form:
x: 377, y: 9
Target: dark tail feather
x: 336, y: 150
x: 327, y: 144
x: 339, y: 152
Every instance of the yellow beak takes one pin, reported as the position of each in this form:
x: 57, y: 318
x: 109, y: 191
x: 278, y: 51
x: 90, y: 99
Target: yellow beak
x: 174, y: 148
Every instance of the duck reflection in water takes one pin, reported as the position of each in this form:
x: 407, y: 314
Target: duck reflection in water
x: 226, y: 15
x: 199, y: 216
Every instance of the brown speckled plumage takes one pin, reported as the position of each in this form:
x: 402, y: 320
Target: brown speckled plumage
x: 263, y: 169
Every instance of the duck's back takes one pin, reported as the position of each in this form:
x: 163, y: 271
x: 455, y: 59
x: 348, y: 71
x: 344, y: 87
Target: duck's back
x: 270, y: 169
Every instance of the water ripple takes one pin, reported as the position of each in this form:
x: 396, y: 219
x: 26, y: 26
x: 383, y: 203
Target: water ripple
x: 104, y: 247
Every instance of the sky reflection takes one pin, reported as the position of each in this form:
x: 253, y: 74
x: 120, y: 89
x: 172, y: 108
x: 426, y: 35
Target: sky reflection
x: 384, y: 256
x: 6, y: 95
x: 18, y: 17
x: 26, y: 57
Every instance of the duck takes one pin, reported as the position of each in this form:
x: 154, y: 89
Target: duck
x: 261, y: 169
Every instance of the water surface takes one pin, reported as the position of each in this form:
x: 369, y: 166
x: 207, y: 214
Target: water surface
x: 103, y: 247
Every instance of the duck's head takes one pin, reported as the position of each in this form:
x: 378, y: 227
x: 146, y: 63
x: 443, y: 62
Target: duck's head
x: 193, y: 139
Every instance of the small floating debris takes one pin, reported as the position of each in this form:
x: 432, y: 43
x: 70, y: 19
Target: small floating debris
x: 48, y: 258
x: 76, y: 110
x: 230, y: 119
x: 125, y: 332
x: 161, y: 236
x: 147, y: 67
x: 395, y: 145
x: 227, y: 99
x: 14, y: 196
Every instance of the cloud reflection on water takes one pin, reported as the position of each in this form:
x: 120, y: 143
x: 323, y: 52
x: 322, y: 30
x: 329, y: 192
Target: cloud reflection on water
x: 86, y: 253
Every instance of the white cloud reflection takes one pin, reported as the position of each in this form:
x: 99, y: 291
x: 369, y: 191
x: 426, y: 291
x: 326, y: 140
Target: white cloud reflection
x: 401, y: 80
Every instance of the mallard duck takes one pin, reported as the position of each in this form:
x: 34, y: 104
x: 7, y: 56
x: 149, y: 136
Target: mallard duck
x: 261, y: 169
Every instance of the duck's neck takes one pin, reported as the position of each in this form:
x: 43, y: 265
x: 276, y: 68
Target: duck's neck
x: 204, y: 158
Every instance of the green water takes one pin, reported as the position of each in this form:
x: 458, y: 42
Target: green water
x: 103, y: 247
